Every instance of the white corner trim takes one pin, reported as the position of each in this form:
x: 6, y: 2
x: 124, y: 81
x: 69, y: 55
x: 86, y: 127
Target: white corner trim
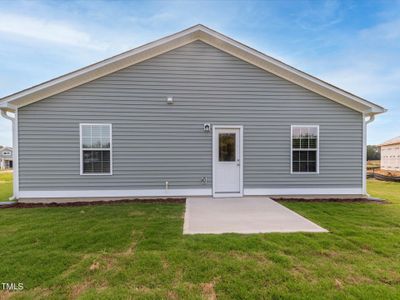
x: 15, y: 156
x: 364, y: 156
x: 115, y: 193
x: 302, y: 191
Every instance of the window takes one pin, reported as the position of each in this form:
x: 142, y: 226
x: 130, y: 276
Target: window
x: 8, y: 153
x: 227, y: 145
x: 305, y: 152
x: 96, y: 144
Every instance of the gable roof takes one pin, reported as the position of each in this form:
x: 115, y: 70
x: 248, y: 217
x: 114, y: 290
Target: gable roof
x: 5, y: 148
x: 392, y: 141
x: 198, y: 32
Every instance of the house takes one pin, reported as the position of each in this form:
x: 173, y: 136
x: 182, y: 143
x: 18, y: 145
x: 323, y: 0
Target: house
x: 390, y: 154
x: 6, y: 158
x: 194, y: 113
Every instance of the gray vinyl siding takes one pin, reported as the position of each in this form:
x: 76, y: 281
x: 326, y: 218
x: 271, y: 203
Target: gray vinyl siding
x: 154, y: 142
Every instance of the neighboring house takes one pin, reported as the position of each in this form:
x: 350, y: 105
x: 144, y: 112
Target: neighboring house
x: 6, y: 158
x: 194, y: 113
x: 390, y: 154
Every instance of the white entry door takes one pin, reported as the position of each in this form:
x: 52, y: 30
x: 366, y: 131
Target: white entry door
x: 227, y: 162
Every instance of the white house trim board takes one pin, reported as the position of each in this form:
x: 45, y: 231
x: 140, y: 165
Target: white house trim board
x: 115, y: 193
x: 364, y: 157
x: 15, y: 155
x: 302, y: 191
x: 240, y: 127
x: 198, y: 32
x: 187, y: 192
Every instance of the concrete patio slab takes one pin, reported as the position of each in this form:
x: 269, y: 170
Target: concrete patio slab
x: 206, y: 215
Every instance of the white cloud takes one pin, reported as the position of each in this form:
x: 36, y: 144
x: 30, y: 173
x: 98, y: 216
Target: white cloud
x: 389, y: 31
x: 47, y: 30
x: 367, y: 63
x: 365, y: 81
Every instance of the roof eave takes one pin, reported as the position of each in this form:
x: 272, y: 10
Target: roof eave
x: 6, y: 106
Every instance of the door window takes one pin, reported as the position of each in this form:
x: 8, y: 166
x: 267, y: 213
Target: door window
x: 227, y: 147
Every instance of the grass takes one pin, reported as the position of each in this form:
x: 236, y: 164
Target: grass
x: 373, y: 163
x: 6, y: 185
x: 137, y: 251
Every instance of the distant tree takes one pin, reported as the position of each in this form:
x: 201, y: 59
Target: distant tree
x: 373, y: 152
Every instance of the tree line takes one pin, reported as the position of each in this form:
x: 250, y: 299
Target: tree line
x: 373, y: 152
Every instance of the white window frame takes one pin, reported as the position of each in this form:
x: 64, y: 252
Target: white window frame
x: 291, y: 150
x: 95, y: 149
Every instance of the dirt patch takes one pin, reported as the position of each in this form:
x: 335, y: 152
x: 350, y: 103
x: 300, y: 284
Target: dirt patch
x: 387, y: 173
x: 91, y: 203
x: 142, y: 289
x: 338, y: 284
x: 329, y: 253
x: 172, y: 295
x: 208, y: 291
x: 132, y: 246
x: 5, y: 295
x: 104, y: 262
x: 78, y: 289
x: 341, y: 200
x: 94, y: 266
x: 103, y: 286
x: 301, y: 272
x: 110, y: 262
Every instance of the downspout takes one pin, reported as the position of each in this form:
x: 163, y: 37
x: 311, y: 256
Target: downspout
x: 364, y: 152
x: 15, y: 151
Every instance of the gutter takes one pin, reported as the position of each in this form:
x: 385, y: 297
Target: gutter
x: 13, y: 120
x: 371, y: 119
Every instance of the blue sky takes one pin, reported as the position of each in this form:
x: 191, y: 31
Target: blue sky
x: 352, y: 44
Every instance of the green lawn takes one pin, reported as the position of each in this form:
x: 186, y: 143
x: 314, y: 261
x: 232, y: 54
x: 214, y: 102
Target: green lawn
x: 138, y: 251
x: 6, y: 186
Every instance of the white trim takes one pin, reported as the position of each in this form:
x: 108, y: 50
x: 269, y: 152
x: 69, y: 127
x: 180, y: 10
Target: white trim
x: 364, y: 156
x: 115, y: 193
x: 240, y: 127
x: 364, y: 151
x: 15, y: 155
x: 186, y: 192
x: 101, y: 149
x: 227, y: 195
x: 198, y: 32
x: 303, y: 191
x: 291, y: 150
